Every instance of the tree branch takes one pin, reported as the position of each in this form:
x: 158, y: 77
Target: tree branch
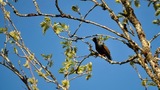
x: 58, y: 8
x: 83, y: 18
x: 11, y: 67
x: 37, y: 7
x: 154, y: 37
x: 65, y: 16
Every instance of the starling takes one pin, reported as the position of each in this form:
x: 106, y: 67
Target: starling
x: 101, y: 48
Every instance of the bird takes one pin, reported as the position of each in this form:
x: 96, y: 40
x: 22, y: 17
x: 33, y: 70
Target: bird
x: 101, y: 48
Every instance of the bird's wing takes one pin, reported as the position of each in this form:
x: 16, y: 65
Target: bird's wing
x: 106, y: 51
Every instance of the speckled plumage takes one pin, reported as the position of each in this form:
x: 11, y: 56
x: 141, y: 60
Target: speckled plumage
x: 101, y: 48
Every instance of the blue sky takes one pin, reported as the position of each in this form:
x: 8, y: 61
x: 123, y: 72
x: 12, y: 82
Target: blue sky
x: 104, y: 75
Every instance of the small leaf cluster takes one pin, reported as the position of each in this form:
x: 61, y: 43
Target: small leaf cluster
x: 2, y: 2
x: 86, y: 69
x: 15, y: 35
x: 41, y: 74
x: 28, y: 60
x: 45, y: 24
x: 3, y: 30
x: 146, y: 82
x: 65, y: 83
x: 48, y: 57
x: 71, y: 65
x: 156, y: 6
x: 33, y: 83
x: 157, y: 21
x: 57, y: 27
x: 136, y: 2
x: 70, y: 51
x: 75, y: 8
x: 60, y: 27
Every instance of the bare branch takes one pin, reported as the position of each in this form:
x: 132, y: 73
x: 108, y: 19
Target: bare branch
x: 154, y: 37
x: 58, y: 8
x: 11, y: 67
x: 83, y: 18
x: 95, y: 1
x: 37, y: 7
x: 115, y: 18
x: 131, y: 59
x: 139, y: 75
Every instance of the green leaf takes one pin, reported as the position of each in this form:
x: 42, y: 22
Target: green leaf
x: 132, y: 63
x: 117, y: 1
x: 7, y: 14
x: 68, y: 63
x: 61, y: 70
x: 157, y: 12
x: 45, y: 24
x: 125, y: 21
x: 137, y: 3
x: 119, y: 15
x: 106, y: 38
x: 15, y: 50
x: 65, y: 83
x: 2, y: 30
x: 64, y: 26
x: 40, y: 73
x: 46, y: 57
x: 156, y: 6
x: 66, y: 43
x: 89, y: 66
x: 11, y: 41
x: 81, y: 69
x: 155, y: 21
x: 45, y: 27
x: 15, y: 35
x: 88, y: 76
x: 47, y: 19
x: 31, y: 57
x: 2, y: 2
x: 151, y: 84
x: 72, y: 70
x: 57, y: 29
x: 32, y: 80
x: 50, y: 63
x: 34, y: 87
x: 144, y: 82
x: 70, y: 53
x: 75, y: 8
x: 27, y: 65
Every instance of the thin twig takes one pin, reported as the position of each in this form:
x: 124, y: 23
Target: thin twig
x: 154, y: 37
x: 81, y: 62
x: 14, y: 70
x: 83, y: 18
x: 139, y: 75
x: 58, y: 8
x: 78, y: 76
x: 37, y: 7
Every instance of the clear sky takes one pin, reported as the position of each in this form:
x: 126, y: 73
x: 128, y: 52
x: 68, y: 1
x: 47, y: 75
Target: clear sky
x: 104, y: 75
